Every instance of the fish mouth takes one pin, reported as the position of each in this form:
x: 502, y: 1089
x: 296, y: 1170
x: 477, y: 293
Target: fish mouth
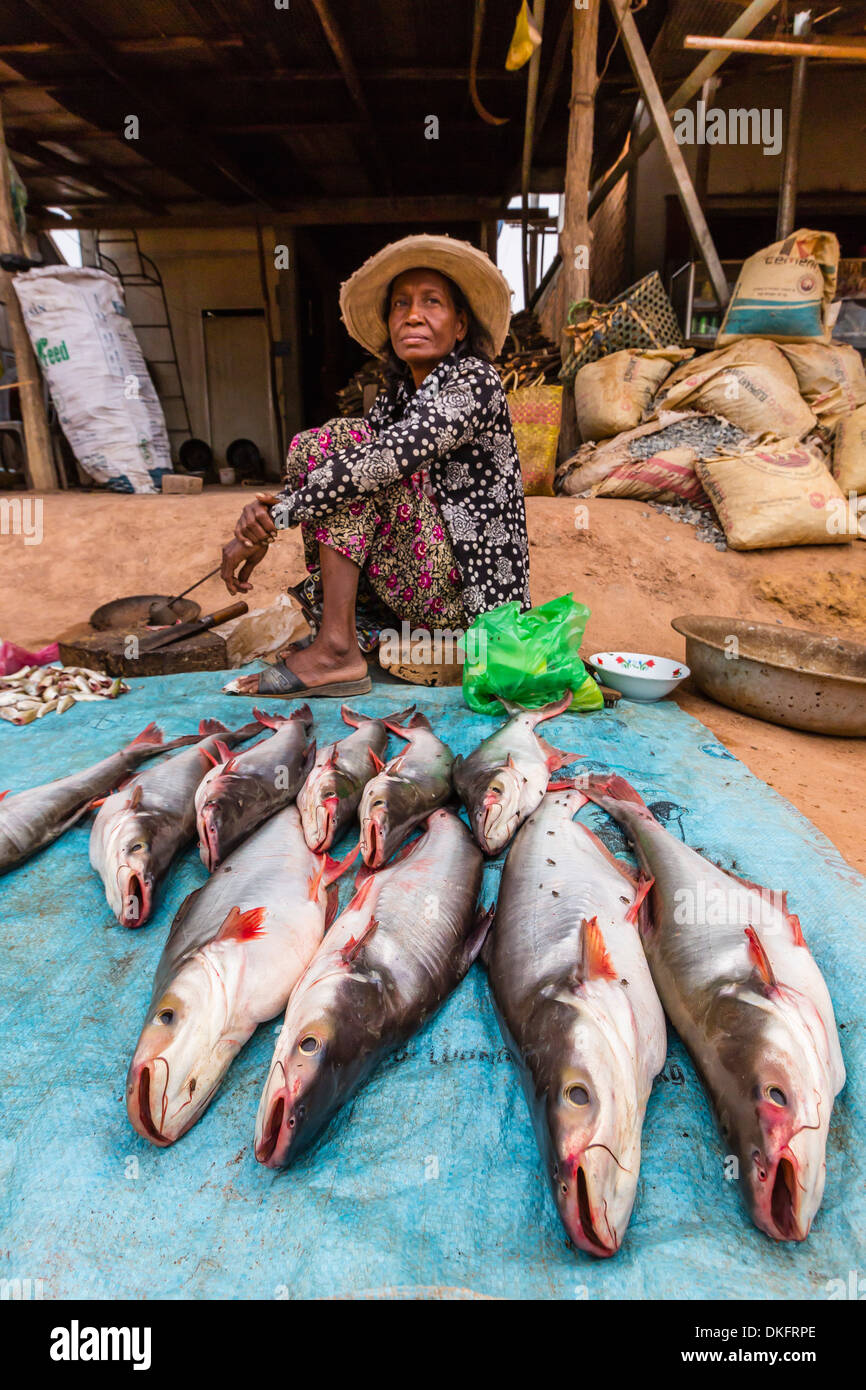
x: 783, y: 1215
x: 586, y: 1233
x: 326, y: 824
x: 210, y: 844
x: 373, y: 848
x: 135, y: 899
x: 140, y: 1112
x: 271, y: 1147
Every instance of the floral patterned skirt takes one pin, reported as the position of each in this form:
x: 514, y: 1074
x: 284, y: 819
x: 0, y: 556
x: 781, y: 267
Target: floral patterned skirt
x: 396, y: 537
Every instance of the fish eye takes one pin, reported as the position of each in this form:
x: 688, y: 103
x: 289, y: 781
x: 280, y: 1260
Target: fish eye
x: 309, y: 1044
x: 777, y: 1095
x: 134, y: 849
x: 577, y: 1095
x: 165, y: 1016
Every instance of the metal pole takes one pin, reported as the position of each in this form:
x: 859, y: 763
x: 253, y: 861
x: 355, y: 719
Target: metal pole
x: 788, y: 191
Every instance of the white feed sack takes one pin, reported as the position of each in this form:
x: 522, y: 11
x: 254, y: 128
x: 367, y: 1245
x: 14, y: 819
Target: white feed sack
x: 99, y: 383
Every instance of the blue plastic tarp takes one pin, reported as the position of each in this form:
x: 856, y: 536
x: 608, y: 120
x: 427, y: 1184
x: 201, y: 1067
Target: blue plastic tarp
x: 429, y: 1183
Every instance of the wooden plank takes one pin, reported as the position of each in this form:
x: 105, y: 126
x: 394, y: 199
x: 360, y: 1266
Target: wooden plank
x: 645, y: 76
x: 783, y: 48
x: 689, y: 88
x: 345, y: 62
x: 40, y: 455
x: 54, y: 164
x: 302, y: 212
x: 578, y: 157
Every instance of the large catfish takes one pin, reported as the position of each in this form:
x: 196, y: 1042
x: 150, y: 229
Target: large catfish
x: 415, y: 782
x: 404, y: 942
x: 330, y: 796
x: 31, y: 819
x: 746, y: 996
x: 244, y: 788
x: 138, y: 831
x: 504, y: 779
x: 235, y: 951
x: 579, y: 1012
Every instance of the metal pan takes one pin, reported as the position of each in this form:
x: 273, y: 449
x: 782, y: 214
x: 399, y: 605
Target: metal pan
x: 804, y: 680
x: 134, y: 612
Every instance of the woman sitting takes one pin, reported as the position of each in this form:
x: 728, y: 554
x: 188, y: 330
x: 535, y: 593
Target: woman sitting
x: 424, y: 496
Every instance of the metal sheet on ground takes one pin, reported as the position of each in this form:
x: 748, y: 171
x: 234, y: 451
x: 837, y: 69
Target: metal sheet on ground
x: 429, y: 1183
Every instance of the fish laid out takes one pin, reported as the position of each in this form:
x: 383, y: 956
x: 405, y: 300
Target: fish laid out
x: 748, y: 1000
x: 244, y: 788
x: 31, y: 819
x: 138, y: 831
x: 415, y: 782
x: 395, y: 953
x: 235, y: 951
x: 578, y: 1010
x: 332, y: 792
x: 504, y: 779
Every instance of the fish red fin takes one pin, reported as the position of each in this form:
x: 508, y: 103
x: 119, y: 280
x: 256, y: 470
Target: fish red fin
x: 602, y: 787
x: 316, y: 879
x: 271, y: 721
x: 243, y: 926
x: 2, y: 794
x: 225, y: 754
x: 595, y: 963
x: 354, y: 945
x: 335, y: 868
x: 363, y: 888
x: 350, y: 717
x: 396, y: 763
x: 760, y: 958
x: 150, y: 737
x: 214, y: 761
x: 211, y: 726
x: 376, y: 761
x: 135, y: 799
x: 418, y: 721
x: 796, y: 929
x: 91, y: 805
x: 556, y: 757
x: 643, y: 888
x: 509, y: 761
x: 332, y: 902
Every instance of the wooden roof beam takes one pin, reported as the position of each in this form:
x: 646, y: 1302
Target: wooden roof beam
x: 159, y: 45
x: 86, y: 38
x: 299, y: 212
x: 340, y: 49
x: 54, y: 164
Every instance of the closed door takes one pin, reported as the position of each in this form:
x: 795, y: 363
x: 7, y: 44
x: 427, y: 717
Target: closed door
x: 238, y: 382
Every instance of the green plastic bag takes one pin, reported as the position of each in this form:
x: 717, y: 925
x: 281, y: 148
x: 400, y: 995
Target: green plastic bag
x: 530, y: 658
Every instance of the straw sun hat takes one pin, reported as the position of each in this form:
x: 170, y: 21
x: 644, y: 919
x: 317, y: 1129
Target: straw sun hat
x: 362, y: 296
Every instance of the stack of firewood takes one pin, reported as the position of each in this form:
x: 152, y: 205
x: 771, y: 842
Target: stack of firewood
x: 350, y: 400
x: 527, y: 358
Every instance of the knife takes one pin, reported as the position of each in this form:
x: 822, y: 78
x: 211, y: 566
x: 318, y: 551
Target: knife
x: 180, y: 631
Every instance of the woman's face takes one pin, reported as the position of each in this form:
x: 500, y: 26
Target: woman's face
x: 422, y: 320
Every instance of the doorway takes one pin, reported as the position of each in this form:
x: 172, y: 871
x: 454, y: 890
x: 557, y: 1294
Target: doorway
x: 237, y: 371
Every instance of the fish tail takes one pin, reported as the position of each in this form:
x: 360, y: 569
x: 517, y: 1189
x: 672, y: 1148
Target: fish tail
x: 239, y: 735
x: 276, y: 721
x: 151, y: 737
x: 211, y: 726
x: 549, y: 711
x: 611, y: 791
x: 418, y: 721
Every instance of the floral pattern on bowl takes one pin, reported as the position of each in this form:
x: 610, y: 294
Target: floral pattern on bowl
x: 638, y: 675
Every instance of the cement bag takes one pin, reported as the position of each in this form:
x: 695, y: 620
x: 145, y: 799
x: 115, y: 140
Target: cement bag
x: 776, y: 493
x: 785, y: 291
x: 751, y: 384
x: 830, y: 377
x: 612, y: 394
x: 849, y: 452
x: 88, y: 351
x: 669, y: 476
x: 704, y: 435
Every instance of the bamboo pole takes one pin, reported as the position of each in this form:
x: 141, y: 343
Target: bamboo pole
x: 689, y: 88
x: 40, y: 457
x: 578, y: 159
x: 781, y: 48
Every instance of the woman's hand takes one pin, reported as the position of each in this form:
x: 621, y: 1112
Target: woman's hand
x: 236, y: 553
x: 255, y: 526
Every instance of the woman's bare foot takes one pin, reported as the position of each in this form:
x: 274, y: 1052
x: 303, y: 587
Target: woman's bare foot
x: 321, y: 663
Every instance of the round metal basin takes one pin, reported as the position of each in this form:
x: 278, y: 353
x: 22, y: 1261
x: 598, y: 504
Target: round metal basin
x: 804, y: 680
x: 135, y: 611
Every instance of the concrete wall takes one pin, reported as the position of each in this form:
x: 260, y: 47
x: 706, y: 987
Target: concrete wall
x: 832, y: 150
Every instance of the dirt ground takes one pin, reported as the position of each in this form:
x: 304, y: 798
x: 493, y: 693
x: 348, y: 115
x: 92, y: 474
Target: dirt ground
x: 635, y: 568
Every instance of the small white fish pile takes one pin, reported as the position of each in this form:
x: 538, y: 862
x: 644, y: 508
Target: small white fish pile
x: 37, y: 690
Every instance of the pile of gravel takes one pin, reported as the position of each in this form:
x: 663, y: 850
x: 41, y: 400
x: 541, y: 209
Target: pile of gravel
x: 706, y: 434
x: 704, y: 520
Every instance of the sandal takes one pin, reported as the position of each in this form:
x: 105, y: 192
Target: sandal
x: 278, y: 682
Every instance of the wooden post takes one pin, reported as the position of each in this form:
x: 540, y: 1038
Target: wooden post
x: 526, y: 162
x: 40, y: 458
x: 578, y: 158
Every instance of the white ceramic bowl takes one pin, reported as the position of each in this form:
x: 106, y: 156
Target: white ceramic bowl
x: 638, y: 675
